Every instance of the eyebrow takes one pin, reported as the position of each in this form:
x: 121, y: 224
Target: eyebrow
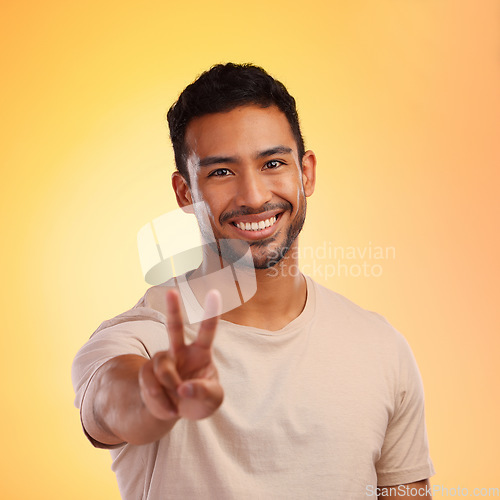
x: 277, y: 150
x: 217, y: 160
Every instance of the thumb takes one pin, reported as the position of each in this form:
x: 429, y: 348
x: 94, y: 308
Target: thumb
x: 199, y: 397
x: 201, y: 389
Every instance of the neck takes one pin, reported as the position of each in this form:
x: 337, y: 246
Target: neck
x: 280, y: 296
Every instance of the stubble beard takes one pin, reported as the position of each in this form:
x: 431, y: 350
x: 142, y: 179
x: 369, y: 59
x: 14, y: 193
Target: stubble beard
x: 274, y: 255
x: 264, y: 256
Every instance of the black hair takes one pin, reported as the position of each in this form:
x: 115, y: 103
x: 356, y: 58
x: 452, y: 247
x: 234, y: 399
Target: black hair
x: 223, y: 88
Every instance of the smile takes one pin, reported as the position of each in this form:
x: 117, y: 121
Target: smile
x: 256, y: 226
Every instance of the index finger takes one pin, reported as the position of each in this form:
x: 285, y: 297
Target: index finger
x: 175, y: 326
x: 213, y: 306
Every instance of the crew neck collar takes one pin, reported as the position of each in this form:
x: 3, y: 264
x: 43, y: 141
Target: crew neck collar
x: 303, y: 318
x: 298, y: 323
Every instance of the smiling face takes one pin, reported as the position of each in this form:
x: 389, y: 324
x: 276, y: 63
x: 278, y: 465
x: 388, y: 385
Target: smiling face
x: 244, y: 165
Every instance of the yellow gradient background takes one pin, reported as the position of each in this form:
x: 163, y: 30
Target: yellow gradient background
x: 400, y: 101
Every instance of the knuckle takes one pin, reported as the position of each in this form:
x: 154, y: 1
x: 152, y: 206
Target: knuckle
x: 174, y: 324
x: 145, y: 373
x: 159, y: 356
x: 164, y: 372
x: 162, y: 361
x: 148, y: 385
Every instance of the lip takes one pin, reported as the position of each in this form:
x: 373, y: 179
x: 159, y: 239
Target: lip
x: 256, y: 217
x: 260, y: 233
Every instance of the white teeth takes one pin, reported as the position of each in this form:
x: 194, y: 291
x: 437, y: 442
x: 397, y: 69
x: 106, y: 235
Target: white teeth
x: 256, y: 226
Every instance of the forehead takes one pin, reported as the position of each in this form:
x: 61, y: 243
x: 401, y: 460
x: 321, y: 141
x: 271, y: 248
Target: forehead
x: 243, y: 130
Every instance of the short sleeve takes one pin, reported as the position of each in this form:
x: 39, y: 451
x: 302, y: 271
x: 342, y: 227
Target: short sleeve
x: 143, y: 337
x: 405, y: 453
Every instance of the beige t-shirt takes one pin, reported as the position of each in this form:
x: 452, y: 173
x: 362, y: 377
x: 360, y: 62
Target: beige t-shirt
x: 328, y: 407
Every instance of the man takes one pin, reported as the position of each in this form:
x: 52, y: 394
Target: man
x: 298, y: 392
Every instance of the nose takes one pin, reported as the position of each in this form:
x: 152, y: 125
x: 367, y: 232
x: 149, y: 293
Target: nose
x: 253, y: 190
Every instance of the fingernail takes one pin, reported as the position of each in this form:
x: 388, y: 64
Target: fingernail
x: 188, y: 390
x: 213, y: 302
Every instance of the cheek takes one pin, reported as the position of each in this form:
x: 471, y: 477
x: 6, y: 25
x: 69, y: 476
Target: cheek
x: 199, y: 191
x: 213, y: 209
x: 293, y: 191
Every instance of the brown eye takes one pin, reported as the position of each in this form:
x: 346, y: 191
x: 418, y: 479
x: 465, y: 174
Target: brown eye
x: 220, y: 172
x: 273, y: 164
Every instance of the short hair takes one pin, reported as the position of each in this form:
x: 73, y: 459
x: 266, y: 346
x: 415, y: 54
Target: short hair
x: 223, y: 88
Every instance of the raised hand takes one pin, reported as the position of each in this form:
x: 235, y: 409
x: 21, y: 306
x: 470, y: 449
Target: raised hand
x: 183, y: 381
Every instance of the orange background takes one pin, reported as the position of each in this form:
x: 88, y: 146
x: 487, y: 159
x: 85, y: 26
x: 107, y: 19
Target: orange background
x: 399, y: 100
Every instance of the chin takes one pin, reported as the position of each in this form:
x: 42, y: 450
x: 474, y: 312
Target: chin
x: 268, y: 264
x: 271, y: 257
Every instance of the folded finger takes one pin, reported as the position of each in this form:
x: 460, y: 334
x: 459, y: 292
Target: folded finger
x: 166, y: 374
x: 153, y: 395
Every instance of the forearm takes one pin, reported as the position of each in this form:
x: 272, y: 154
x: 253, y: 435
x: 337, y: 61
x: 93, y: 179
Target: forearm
x: 113, y: 411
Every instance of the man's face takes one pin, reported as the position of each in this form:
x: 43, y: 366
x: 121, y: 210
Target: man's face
x: 244, y: 165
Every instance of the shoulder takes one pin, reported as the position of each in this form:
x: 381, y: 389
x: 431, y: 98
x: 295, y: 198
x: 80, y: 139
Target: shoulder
x: 330, y: 302
x: 354, y: 323
x: 368, y: 337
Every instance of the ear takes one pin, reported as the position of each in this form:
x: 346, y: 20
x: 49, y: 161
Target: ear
x: 182, y: 192
x: 309, y: 172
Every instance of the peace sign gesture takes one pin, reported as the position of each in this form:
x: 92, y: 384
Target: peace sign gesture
x: 183, y: 381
